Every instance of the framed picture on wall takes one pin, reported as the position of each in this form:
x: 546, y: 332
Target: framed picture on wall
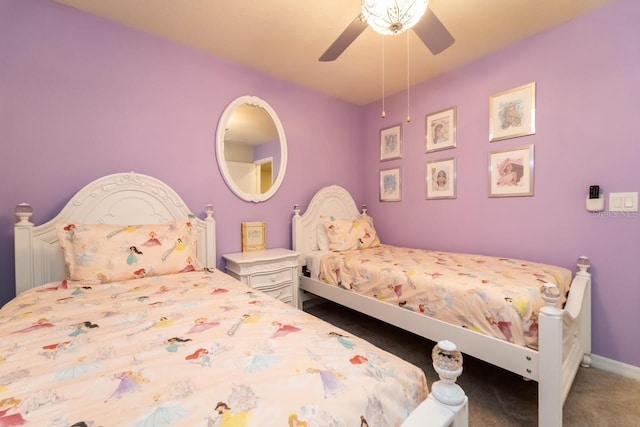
x: 390, y: 190
x: 254, y: 236
x: 391, y: 142
x: 440, y: 130
x: 511, y: 172
x: 440, y: 177
x: 512, y: 113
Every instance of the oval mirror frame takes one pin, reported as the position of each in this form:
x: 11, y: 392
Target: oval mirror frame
x: 220, y: 140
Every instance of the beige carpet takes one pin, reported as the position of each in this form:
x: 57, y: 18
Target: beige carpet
x: 497, y: 397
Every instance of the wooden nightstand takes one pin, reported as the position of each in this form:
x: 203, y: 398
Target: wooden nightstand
x: 274, y: 271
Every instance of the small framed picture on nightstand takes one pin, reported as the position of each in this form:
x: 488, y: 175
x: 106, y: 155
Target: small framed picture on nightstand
x: 254, y: 236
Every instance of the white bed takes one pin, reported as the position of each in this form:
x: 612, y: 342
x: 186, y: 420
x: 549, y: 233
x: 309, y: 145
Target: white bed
x: 130, y: 198
x: 553, y: 365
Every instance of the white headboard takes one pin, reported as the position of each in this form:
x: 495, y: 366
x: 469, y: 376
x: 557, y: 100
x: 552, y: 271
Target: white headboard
x: 122, y: 198
x: 328, y: 201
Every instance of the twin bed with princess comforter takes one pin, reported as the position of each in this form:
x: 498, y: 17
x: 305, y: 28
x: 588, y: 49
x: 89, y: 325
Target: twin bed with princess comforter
x: 475, y: 292
x: 530, y: 318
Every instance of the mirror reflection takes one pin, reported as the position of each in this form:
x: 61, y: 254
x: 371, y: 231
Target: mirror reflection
x: 251, y: 149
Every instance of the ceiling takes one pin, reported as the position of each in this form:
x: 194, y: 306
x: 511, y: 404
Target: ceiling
x: 285, y: 38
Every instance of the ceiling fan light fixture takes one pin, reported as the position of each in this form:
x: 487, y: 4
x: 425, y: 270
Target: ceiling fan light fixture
x: 390, y: 17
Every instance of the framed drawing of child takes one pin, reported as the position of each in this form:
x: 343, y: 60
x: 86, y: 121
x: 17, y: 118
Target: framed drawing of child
x: 511, y: 172
x: 440, y: 130
x: 440, y: 177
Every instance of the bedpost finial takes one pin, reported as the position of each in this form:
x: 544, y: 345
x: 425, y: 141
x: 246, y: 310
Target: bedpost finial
x: 447, y: 362
x: 208, y: 209
x: 296, y: 209
x: 24, y: 212
x: 583, y: 264
x: 550, y: 293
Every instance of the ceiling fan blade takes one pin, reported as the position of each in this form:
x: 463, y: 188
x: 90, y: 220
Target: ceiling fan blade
x: 433, y: 34
x: 343, y: 41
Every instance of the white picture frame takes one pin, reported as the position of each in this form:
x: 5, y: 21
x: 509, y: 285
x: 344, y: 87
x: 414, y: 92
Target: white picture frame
x: 391, y: 142
x: 390, y: 185
x: 511, y: 172
x: 512, y: 113
x: 440, y: 130
x: 440, y: 177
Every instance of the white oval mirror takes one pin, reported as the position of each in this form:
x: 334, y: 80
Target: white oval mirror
x: 251, y: 149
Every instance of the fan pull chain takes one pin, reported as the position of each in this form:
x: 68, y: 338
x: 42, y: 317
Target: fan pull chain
x: 384, y: 114
x: 408, y: 81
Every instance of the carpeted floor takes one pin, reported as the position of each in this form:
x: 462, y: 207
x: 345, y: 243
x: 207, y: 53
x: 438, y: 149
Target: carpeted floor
x: 497, y: 397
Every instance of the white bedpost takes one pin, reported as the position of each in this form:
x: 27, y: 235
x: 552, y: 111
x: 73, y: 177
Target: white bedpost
x: 23, y: 247
x: 447, y: 404
x: 210, y: 233
x: 550, y: 383
x: 584, y: 318
x: 297, y: 237
x: 295, y: 234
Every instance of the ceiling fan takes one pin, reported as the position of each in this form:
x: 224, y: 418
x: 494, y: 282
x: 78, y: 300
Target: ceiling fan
x: 394, y: 17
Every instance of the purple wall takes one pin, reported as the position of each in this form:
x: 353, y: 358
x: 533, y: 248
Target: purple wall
x: 81, y: 97
x: 588, y: 85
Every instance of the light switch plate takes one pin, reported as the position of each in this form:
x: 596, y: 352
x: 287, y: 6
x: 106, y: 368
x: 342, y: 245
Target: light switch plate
x: 623, y: 202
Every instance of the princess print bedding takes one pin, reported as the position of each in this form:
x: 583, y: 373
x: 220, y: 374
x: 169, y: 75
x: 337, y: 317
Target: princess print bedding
x: 495, y: 296
x: 197, y: 348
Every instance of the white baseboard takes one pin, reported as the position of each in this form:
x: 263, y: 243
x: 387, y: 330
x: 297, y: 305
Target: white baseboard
x: 616, y: 367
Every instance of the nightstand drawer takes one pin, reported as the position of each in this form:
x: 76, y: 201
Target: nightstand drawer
x: 281, y: 291
x: 272, y: 278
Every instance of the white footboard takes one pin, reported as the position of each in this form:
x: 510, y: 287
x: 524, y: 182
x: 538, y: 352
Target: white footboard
x: 558, y: 364
x: 434, y: 413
